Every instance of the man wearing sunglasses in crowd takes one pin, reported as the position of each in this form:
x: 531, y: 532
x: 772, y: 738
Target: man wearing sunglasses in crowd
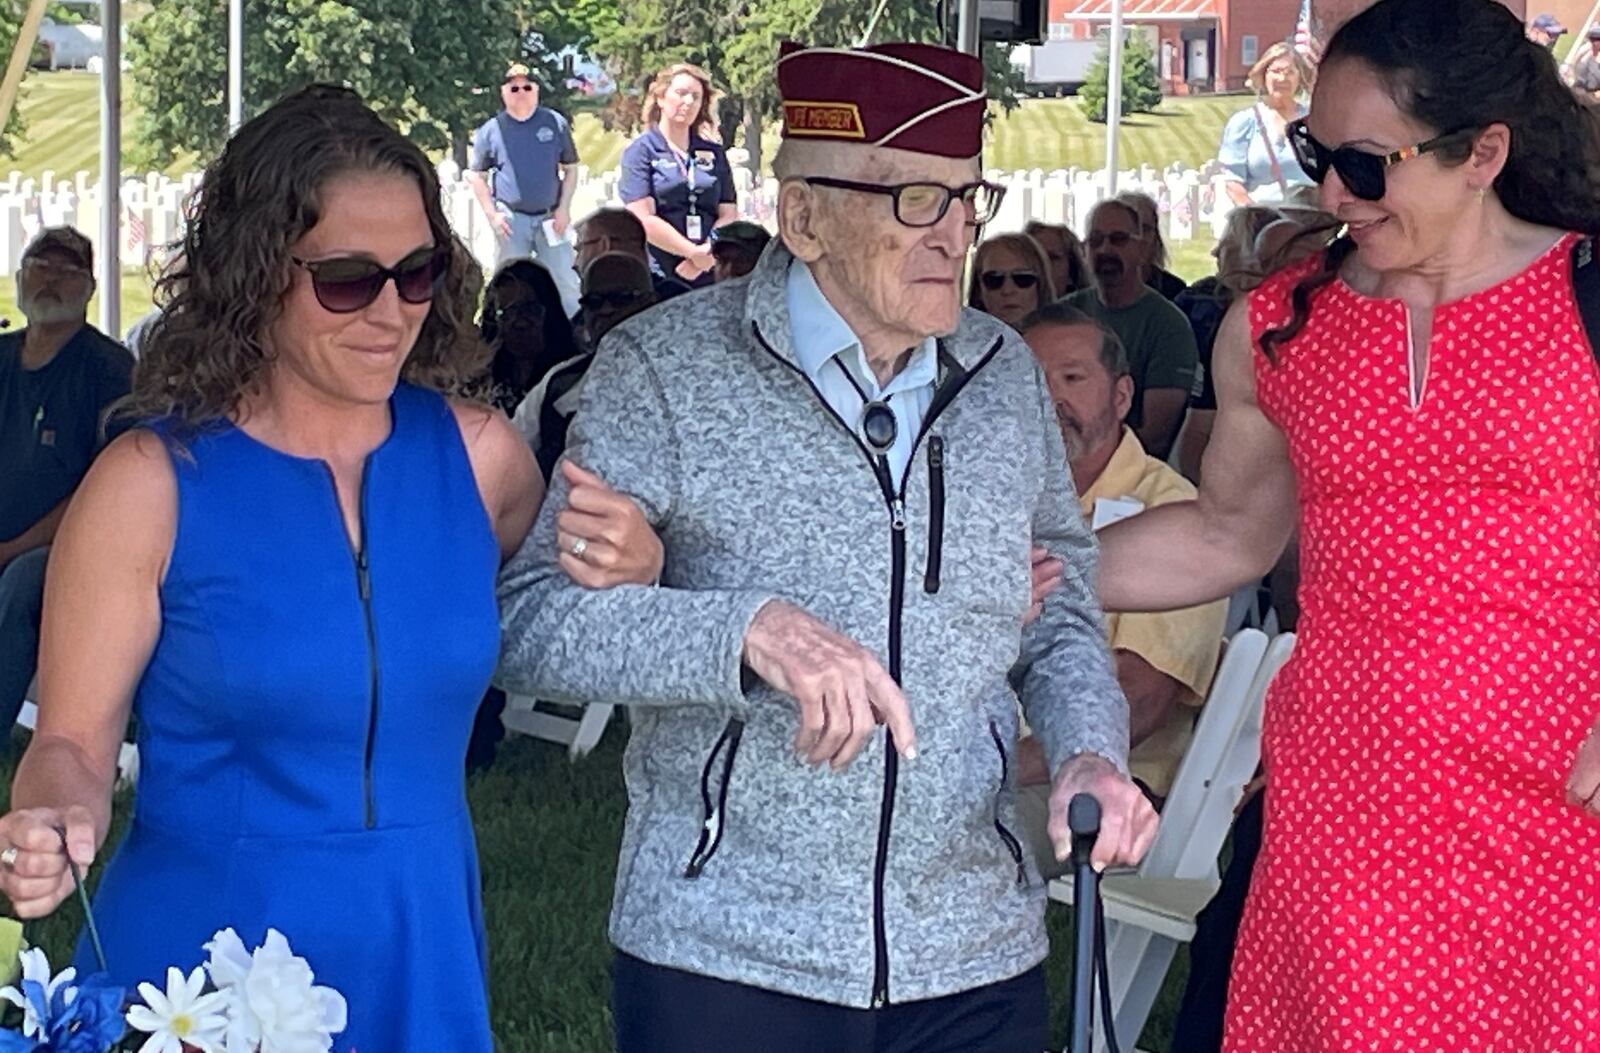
x: 524, y: 172
x: 1157, y: 336
x: 848, y: 473
x: 57, y: 377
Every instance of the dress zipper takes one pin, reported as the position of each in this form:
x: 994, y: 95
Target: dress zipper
x: 358, y: 555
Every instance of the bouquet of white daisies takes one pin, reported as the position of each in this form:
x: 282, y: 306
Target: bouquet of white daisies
x: 239, y: 1001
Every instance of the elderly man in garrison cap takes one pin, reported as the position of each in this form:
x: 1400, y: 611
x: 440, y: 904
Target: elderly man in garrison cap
x: 847, y: 472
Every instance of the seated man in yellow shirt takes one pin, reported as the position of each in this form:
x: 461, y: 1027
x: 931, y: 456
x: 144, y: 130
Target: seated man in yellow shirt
x: 1164, y: 661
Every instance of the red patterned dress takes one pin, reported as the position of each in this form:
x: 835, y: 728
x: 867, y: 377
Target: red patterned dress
x: 1423, y: 885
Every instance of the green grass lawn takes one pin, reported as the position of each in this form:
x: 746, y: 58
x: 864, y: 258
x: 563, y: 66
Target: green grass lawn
x: 548, y: 833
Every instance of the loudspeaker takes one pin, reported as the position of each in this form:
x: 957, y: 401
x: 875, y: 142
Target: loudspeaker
x: 1012, y: 21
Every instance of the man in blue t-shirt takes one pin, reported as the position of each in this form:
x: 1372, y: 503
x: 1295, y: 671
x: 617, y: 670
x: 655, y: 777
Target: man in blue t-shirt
x: 524, y: 171
x: 57, y: 378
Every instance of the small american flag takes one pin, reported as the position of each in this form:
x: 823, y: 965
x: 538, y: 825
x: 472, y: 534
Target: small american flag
x: 1305, y: 41
x: 135, y: 245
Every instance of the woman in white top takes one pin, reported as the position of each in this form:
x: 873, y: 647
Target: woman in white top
x: 1255, y: 145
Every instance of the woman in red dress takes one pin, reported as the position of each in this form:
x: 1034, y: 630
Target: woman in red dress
x: 1423, y: 400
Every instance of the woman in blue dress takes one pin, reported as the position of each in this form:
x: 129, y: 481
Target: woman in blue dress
x: 288, y: 574
x: 676, y: 178
x: 1260, y: 163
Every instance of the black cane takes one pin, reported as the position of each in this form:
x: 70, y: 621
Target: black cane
x: 1083, y: 818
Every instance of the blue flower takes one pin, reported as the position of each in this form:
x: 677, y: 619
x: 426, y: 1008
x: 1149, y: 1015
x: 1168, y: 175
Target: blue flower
x: 61, y: 1018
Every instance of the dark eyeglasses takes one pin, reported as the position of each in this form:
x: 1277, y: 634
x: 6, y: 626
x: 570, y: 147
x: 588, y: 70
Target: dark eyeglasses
x: 925, y: 204
x: 514, y: 88
x: 1119, y: 239
x: 346, y: 284
x: 1363, y: 173
x: 593, y: 301
x: 995, y: 280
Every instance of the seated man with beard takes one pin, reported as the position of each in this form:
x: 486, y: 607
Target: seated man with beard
x: 57, y: 378
x: 1160, y: 344
x: 1164, y: 661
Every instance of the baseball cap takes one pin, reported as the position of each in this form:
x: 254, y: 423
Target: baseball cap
x: 1549, y: 24
x: 741, y: 234
x: 1594, y: 32
x: 62, y: 239
x: 517, y: 69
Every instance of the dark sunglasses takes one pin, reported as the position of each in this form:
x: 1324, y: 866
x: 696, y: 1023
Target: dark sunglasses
x: 593, y: 301
x: 1364, y: 174
x: 1119, y: 239
x: 346, y: 284
x: 995, y: 280
x: 514, y: 88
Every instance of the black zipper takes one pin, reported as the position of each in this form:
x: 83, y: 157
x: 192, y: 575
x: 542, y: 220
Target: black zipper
x: 716, y: 812
x: 1012, y: 844
x: 930, y: 580
x: 897, y: 541
x: 364, y: 590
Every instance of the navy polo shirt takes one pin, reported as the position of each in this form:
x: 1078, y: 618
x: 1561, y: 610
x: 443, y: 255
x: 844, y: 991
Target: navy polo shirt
x: 50, y: 421
x: 651, y: 168
x: 525, y: 157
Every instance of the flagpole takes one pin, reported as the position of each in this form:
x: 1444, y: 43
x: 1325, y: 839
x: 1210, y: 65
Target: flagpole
x: 111, y: 168
x: 1114, y: 99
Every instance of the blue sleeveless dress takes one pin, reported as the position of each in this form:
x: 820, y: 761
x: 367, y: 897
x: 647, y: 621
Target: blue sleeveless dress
x: 303, y: 728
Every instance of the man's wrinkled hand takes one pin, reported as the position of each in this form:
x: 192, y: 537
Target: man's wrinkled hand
x: 842, y: 690
x: 1128, y: 823
x: 1046, y: 579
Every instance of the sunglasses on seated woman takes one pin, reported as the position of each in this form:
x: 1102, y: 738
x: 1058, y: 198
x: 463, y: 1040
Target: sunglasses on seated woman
x: 1364, y: 174
x: 346, y: 284
x: 995, y: 280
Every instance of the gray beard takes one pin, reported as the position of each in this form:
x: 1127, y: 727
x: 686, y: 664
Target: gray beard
x: 51, y: 313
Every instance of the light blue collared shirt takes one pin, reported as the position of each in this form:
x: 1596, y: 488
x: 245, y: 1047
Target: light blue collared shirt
x: 825, y: 347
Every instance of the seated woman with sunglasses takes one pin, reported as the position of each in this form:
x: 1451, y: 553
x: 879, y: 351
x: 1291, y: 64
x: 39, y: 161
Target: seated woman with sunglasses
x: 289, y: 574
x: 1422, y: 398
x: 1010, y: 278
x: 524, y: 323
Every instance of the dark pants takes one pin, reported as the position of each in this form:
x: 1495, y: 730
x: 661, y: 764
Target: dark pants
x: 21, y: 604
x: 662, y: 1010
x: 1198, y: 1028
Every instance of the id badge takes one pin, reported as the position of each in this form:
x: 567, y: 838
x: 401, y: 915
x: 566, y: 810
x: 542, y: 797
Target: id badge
x: 692, y: 229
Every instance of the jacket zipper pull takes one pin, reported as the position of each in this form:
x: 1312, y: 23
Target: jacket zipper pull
x: 363, y: 576
x: 897, y: 510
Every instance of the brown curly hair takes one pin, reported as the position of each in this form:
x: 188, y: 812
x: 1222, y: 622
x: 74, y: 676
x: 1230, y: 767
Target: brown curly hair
x: 206, y: 353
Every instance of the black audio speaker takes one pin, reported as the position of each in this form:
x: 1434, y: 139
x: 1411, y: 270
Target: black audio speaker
x: 1012, y: 21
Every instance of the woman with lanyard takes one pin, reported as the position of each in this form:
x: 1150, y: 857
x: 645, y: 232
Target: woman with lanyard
x: 675, y: 177
x: 1261, y: 165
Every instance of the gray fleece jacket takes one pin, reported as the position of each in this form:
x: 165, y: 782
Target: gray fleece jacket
x: 895, y: 880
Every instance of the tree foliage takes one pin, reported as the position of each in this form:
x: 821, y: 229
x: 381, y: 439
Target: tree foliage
x: 431, y: 67
x: 1141, y: 80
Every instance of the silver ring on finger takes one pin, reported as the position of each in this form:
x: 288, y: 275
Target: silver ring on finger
x: 578, y: 547
x: 8, y: 858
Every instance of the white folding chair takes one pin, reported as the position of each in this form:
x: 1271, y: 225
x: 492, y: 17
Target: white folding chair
x: 127, y: 756
x: 1150, y: 912
x: 523, y: 715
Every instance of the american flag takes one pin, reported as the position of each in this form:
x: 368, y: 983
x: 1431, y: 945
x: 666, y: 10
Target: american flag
x: 1305, y: 41
x: 135, y: 241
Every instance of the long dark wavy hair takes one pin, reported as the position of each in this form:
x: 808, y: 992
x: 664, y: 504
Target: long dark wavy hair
x: 514, y: 371
x: 207, y: 352
x: 1467, y: 64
